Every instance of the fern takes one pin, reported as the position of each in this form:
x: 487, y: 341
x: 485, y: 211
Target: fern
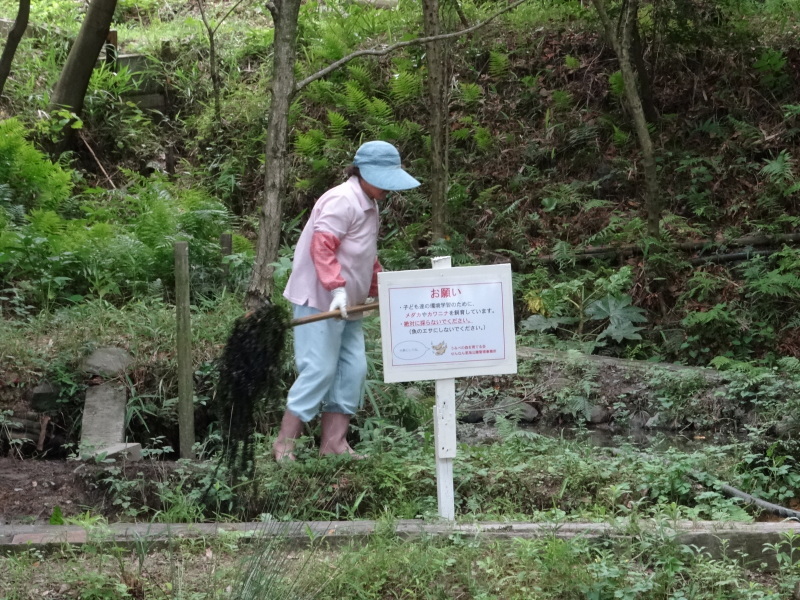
x: 562, y: 100
x: 582, y: 135
x: 703, y: 286
x: 723, y: 363
x: 711, y: 127
x: 321, y: 91
x: 406, y: 87
x: 337, y: 124
x: 356, y: 100
x: 790, y: 111
x: 45, y: 222
x: 379, y: 111
x: 774, y: 283
x: 563, y: 253
x: 30, y: 179
x: 460, y: 135
x: 499, y: 64
x: 789, y: 364
x: 595, y: 203
x: 359, y: 73
x: 720, y: 313
x: 409, y: 130
x: 469, y: 93
x: 609, y: 233
x: 779, y: 170
x: 401, y: 132
x: 748, y: 134
x: 620, y: 138
x: 331, y: 47
x: 484, y: 139
x: 309, y: 144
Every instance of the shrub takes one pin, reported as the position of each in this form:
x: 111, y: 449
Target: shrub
x: 28, y: 179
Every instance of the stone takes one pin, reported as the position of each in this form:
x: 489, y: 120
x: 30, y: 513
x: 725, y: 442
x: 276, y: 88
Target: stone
x: 599, y: 414
x: 653, y: 422
x: 558, y: 383
x: 413, y: 393
x: 107, y: 362
x: 103, y: 422
x: 786, y: 426
x: 639, y: 420
x: 45, y: 397
x: 473, y: 416
x: 529, y: 414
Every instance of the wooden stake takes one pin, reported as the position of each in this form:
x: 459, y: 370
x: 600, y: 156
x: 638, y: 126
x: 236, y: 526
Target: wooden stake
x: 184, y: 335
x: 226, y: 247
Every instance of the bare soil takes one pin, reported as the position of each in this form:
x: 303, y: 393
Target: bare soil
x: 30, y: 489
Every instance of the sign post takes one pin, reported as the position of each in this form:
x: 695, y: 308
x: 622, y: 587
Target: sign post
x: 441, y: 324
x: 444, y: 431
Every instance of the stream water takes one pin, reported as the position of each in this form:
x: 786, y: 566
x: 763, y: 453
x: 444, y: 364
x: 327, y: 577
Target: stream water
x: 604, y: 437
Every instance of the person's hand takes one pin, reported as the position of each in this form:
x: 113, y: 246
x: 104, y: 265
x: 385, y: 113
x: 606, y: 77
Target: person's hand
x: 339, y: 301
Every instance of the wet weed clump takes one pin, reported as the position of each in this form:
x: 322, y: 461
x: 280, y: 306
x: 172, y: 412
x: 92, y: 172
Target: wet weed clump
x: 250, y: 372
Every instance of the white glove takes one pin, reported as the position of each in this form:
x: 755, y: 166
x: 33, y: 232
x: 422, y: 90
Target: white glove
x: 339, y: 301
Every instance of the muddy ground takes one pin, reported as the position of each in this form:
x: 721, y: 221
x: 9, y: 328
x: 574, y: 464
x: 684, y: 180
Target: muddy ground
x: 30, y: 489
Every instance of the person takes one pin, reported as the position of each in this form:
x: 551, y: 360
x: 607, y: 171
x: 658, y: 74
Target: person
x: 335, y: 266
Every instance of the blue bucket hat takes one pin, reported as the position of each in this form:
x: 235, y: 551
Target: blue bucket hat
x: 379, y: 165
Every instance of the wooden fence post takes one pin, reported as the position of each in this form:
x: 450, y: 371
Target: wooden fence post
x: 184, y: 335
x: 226, y: 246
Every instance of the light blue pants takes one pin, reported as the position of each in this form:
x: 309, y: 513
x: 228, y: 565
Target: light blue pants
x: 331, y: 366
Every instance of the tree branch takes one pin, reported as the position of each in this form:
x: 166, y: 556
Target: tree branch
x: 273, y: 10
x: 227, y: 14
x: 388, y: 49
x: 203, y: 15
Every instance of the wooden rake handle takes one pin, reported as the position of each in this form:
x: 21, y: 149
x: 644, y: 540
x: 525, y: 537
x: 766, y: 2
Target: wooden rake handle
x: 332, y: 314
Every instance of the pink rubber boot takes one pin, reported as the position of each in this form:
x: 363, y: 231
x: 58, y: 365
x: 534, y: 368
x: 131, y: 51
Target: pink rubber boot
x: 334, y: 435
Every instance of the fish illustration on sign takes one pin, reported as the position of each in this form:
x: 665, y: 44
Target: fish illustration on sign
x: 440, y: 348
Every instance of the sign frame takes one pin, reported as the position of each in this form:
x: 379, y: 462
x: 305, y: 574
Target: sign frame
x: 487, y: 276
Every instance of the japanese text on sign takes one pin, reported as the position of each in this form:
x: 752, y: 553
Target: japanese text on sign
x: 447, y: 322
x: 439, y: 324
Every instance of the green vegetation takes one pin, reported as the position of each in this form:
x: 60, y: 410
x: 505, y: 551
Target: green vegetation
x: 545, y: 172
x: 649, y: 565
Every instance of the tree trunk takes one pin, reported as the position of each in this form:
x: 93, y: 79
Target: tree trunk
x: 14, y: 37
x: 74, y: 80
x: 285, y: 14
x: 621, y: 40
x: 439, y: 129
x: 645, y: 84
x: 460, y: 12
x: 212, y: 60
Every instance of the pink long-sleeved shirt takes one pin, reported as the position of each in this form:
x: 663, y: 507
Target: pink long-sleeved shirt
x: 338, y: 247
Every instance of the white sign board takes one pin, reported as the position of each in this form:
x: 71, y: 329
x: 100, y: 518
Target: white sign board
x: 447, y: 323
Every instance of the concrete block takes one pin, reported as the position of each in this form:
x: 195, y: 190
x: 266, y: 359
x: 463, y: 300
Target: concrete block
x: 129, y: 452
x: 60, y: 537
x: 154, y: 101
x: 103, y: 421
x: 107, y: 362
